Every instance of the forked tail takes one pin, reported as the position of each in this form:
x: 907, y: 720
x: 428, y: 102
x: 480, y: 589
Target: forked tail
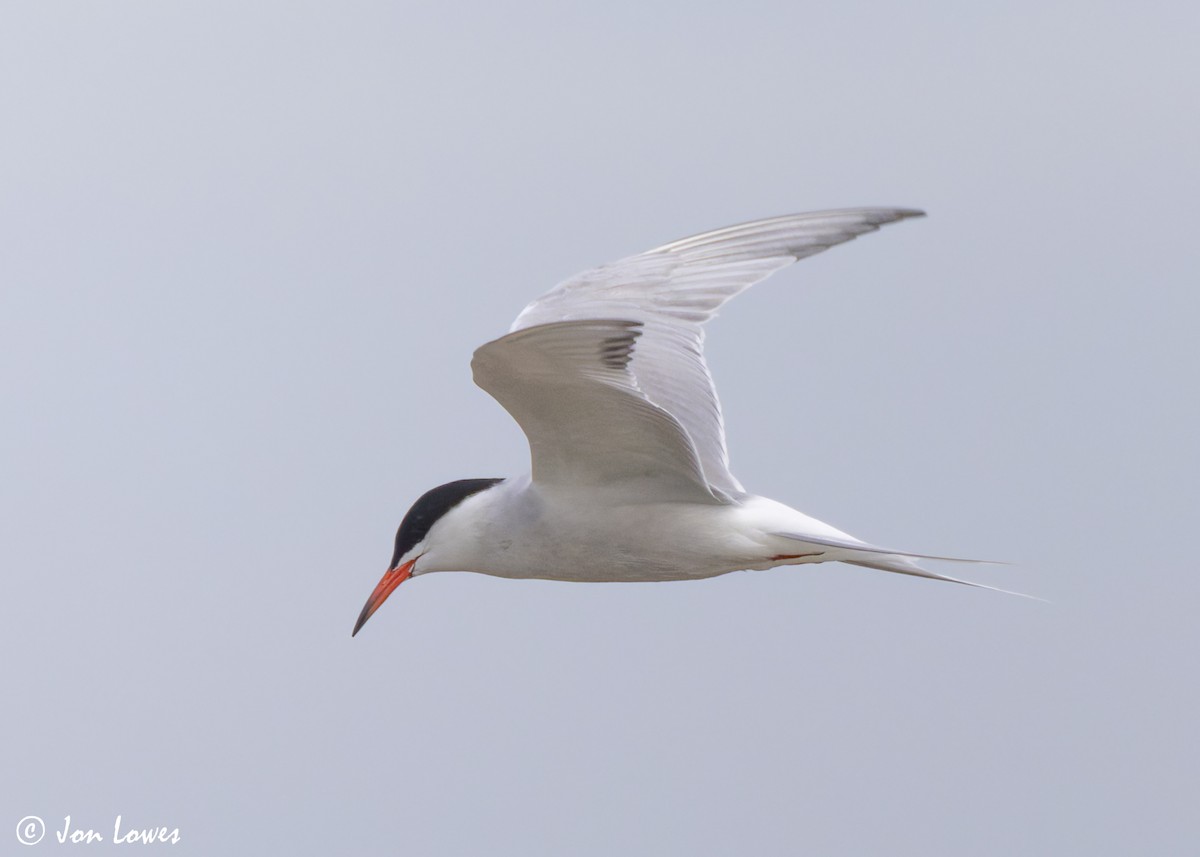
x: 866, y: 555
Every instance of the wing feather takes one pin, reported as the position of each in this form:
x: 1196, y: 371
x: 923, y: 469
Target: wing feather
x: 674, y: 289
x: 569, y: 386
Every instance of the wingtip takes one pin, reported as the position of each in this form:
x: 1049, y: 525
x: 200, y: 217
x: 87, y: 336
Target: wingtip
x: 882, y: 216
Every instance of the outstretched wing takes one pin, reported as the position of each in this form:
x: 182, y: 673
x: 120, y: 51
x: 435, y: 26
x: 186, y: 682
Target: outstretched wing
x: 569, y: 386
x: 671, y: 292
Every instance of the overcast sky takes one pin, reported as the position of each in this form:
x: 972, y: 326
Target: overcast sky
x: 246, y: 251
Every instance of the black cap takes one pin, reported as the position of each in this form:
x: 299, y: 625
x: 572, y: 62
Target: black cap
x: 431, y: 506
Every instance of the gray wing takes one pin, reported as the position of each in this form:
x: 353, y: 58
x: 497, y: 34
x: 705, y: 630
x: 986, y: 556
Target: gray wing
x: 569, y: 386
x: 672, y: 290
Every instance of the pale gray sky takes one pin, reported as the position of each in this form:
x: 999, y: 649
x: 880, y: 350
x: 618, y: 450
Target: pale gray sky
x: 247, y: 252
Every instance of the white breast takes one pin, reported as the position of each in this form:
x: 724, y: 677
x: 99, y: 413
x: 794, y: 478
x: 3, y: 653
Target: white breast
x: 519, y: 530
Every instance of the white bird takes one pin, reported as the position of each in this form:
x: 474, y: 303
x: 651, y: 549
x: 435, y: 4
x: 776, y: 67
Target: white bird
x: 630, y: 477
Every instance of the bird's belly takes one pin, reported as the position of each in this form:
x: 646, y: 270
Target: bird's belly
x: 646, y: 543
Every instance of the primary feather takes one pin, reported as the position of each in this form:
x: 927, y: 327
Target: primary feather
x: 671, y: 291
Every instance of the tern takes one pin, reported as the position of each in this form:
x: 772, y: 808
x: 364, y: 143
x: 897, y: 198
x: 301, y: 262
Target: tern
x: 629, y: 477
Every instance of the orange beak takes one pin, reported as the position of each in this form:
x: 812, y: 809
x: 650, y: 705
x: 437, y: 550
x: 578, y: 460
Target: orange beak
x: 391, y: 580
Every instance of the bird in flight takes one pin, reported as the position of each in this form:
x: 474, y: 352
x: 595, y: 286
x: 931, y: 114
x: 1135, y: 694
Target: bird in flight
x: 630, y: 477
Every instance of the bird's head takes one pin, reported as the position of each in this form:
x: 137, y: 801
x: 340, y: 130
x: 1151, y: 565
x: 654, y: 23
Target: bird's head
x: 415, y: 537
